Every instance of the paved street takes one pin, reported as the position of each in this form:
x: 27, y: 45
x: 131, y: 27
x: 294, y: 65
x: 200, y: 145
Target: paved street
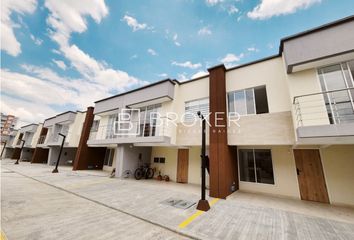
x: 36, y: 204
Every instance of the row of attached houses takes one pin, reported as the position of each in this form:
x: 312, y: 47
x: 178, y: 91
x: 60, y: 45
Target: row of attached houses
x: 282, y: 125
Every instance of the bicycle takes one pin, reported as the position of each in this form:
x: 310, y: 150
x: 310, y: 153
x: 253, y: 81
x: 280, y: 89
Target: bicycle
x: 144, y: 171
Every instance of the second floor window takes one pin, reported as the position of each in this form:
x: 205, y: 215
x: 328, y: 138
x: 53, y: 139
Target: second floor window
x: 192, y: 107
x: 95, y: 125
x: 248, y: 101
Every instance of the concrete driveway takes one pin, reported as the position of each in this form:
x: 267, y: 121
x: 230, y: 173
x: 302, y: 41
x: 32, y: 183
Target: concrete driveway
x: 76, y: 205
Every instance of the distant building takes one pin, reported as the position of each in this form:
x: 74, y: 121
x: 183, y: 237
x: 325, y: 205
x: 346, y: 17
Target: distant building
x: 8, y: 123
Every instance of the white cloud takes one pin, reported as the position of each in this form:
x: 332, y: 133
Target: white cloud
x: 36, y: 41
x: 182, y: 77
x: 98, y: 80
x: 9, y: 42
x: 199, y: 74
x: 175, y: 40
x: 252, y: 49
x: 60, y: 64
x: 68, y: 16
x: 213, y: 2
x: 232, y: 10
x: 152, y: 52
x: 134, y: 56
x: 204, y: 31
x: 270, y: 45
x: 163, y: 75
x: 28, y: 112
x: 269, y: 8
x: 187, y: 64
x: 230, y: 58
x: 134, y: 24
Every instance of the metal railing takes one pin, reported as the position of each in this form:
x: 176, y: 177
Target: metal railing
x: 55, y: 138
x: 133, y: 129
x: 329, y: 107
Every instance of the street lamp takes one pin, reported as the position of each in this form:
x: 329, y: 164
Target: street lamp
x: 23, y: 143
x: 61, y: 149
x: 203, y: 204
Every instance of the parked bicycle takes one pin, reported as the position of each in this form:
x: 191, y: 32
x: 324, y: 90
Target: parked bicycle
x: 144, y: 171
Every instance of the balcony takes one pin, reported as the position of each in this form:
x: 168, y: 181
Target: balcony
x: 54, y: 139
x: 325, y: 114
x: 135, y: 133
x: 63, y: 118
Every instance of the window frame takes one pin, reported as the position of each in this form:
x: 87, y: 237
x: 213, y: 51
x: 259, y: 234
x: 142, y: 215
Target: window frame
x: 194, y: 100
x: 255, y: 166
x: 245, y: 100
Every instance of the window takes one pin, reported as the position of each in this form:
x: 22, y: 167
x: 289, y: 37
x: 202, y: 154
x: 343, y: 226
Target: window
x: 108, y: 158
x: 248, y: 101
x: 159, y: 160
x: 335, y: 81
x: 256, y: 166
x: 95, y: 125
x: 192, y: 107
x: 148, y: 120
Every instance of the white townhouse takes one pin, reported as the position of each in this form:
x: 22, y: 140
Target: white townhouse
x: 294, y: 135
x: 10, y: 146
x: 75, y: 126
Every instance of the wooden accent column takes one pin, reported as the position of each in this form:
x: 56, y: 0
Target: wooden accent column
x: 40, y: 155
x: 223, y: 159
x: 86, y: 156
x: 182, y: 165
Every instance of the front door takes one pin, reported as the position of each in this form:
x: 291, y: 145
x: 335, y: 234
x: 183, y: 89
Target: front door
x: 310, y: 175
x: 182, y: 166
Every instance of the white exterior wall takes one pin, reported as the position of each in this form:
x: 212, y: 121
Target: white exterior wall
x: 285, y: 178
x: 302, y: 83
x: 36, y: 135
x: 270, y: 73
x: 75, y: 130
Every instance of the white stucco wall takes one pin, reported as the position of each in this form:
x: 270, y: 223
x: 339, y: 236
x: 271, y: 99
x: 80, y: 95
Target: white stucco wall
x: 270, y: 73
x: 75, y: 130
x: 338, y: 166
x: 285, y: 178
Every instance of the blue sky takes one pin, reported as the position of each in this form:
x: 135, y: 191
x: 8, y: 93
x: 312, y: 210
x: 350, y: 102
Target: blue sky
x: 64, y: 55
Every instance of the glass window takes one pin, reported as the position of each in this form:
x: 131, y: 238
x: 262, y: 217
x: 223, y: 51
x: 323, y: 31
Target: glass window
x: 246, y: 164
x: 95, y: 124
x: 108, y: 158
x: 191, y: 108
x: 264, y: 167
x: 248, y: 101
x: 256, y: 166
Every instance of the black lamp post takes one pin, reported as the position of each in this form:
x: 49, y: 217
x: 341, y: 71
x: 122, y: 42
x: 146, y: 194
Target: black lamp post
x: 61, y: 149
x: 2, y: 151
x: 23, y: 143
x: 203, y: 204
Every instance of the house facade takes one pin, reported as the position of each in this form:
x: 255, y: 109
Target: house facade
x: 9, y: 147
x: 74, y: 127
x: 283, y: 125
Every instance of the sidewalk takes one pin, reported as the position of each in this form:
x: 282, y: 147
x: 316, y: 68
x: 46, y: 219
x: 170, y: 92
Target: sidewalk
x: 242, y: 216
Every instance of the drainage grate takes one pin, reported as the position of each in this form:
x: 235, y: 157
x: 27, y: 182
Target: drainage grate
x: 178, y: 203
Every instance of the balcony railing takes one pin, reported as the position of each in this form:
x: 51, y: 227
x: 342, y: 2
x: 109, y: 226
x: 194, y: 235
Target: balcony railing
x: 134, y: 129
x: 330, y: 107
x: 55, y: 138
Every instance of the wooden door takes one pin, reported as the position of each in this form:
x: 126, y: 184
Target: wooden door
x: 182, y: 166
x: 310, y: 175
